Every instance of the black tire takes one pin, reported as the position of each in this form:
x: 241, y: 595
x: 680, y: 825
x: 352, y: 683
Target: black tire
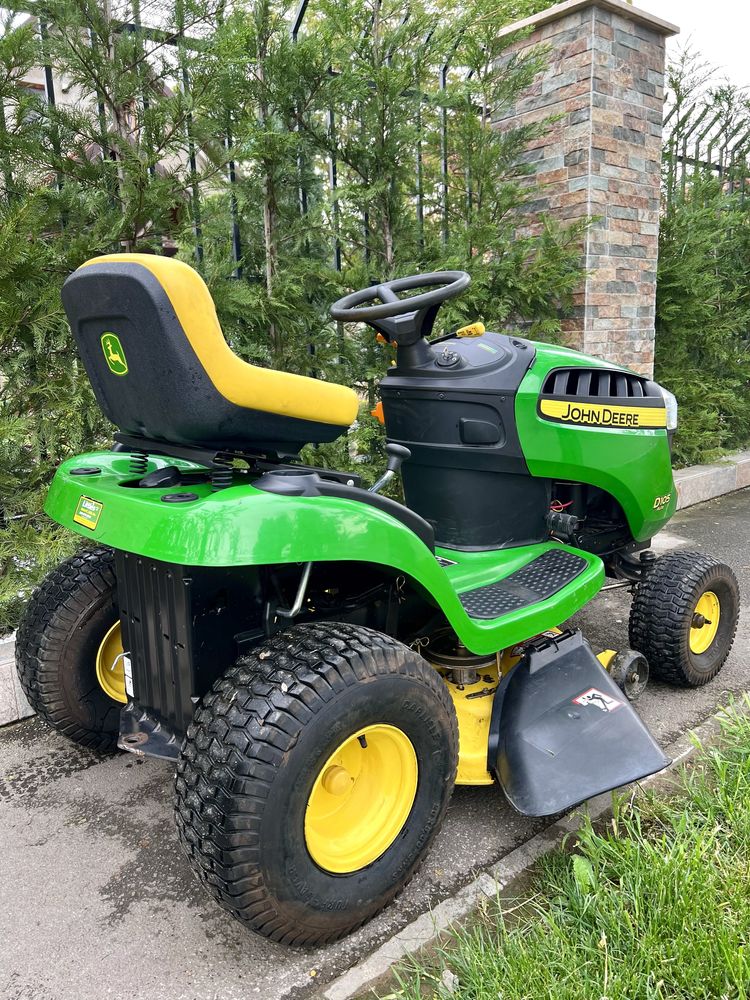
x: 629, y: 670
x: 65, y: 621
x: 662, y: 615
x: 251, y: 756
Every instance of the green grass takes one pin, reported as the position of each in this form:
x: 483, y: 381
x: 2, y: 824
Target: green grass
x: 655, y: 905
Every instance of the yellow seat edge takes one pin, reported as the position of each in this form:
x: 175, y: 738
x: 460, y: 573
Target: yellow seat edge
x: 241, y: 383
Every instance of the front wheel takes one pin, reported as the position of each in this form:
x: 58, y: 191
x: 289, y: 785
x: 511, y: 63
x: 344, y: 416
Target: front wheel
x: 684, y: 617
x: 314, y: 778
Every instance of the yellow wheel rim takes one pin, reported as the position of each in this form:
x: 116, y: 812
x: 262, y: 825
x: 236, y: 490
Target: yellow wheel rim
x: 110, y: 672
x: 361, y: 799
x: 705, y: 622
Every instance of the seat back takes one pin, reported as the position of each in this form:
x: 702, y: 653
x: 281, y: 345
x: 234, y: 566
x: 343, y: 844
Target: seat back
x: 147, y: 332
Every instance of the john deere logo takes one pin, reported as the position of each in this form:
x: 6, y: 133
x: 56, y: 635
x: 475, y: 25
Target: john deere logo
x: 114, y: 354
x: 599, y: 415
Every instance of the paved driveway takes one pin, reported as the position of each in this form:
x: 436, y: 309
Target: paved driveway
x: 96, y: 900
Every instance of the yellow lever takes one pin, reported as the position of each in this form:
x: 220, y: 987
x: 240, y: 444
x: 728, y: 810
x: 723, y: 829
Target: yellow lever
x: 472, y: 330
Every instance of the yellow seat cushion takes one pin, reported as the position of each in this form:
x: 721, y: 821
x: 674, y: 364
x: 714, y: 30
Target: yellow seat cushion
x: 241, y: 383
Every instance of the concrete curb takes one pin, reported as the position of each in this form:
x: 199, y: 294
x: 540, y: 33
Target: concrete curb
x: 427, y: 930
x: 704, y: 482
x: 13, y: 704
x: 694, y: 485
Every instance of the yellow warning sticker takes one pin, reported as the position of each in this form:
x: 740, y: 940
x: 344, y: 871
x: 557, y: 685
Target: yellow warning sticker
x: 88, y: 512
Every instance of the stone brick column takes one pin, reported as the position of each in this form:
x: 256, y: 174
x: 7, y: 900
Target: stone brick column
x: 602, y: 158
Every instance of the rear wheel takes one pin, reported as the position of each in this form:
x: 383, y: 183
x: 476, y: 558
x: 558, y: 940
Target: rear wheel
x: 314, y: 778
x: 684, y: 617
x: 67, y: 649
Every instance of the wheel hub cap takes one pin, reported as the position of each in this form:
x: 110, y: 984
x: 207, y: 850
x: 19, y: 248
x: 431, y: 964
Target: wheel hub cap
x: 361, y: 799
x: 110, y: 669
x: 705, y: 622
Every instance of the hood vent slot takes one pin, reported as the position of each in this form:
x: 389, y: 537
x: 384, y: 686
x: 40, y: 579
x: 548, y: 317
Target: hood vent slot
x: 593, y: 383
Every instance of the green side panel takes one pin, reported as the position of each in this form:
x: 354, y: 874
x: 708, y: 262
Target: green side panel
x: 634, y: 466
x: 242, y: 526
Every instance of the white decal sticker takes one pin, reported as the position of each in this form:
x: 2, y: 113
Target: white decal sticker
x: 128, y: 675
x: 599, y: 699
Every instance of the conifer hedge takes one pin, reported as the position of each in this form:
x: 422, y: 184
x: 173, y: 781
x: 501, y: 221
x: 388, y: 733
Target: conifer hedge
x: 110, y: 167
x: 703, y: 278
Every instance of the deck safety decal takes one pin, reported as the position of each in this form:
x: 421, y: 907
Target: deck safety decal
x: 597, y: 698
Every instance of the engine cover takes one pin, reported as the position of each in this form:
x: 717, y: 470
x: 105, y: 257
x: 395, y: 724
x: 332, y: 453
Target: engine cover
x: 467, y: 475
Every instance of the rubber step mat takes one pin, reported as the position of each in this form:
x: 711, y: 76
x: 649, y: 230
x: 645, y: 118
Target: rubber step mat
x: 534, y: 582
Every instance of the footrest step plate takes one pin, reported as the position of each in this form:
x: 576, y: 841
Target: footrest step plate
x: 534, y: 582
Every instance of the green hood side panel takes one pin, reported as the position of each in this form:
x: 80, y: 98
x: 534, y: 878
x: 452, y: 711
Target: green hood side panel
x: 242, y: 526
x: 634, y: 466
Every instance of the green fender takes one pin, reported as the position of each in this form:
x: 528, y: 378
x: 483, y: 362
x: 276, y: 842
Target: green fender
x: 242, y: 526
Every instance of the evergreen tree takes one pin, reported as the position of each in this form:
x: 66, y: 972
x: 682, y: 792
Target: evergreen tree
x: 105, y: 171
x: 214, y: 120
x: 703, y: 289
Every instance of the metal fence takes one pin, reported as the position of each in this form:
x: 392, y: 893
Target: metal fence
x: 435, y: 202
x: 177, y: 41
x: 706, y: 138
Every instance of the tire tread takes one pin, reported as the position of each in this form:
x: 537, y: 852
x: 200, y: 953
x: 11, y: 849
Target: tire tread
x: 251, y: 718
x: 660, y: 607
x: 55, y: 607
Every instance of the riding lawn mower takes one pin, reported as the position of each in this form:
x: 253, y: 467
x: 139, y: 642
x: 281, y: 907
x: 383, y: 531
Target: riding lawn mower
x: 320, y: 663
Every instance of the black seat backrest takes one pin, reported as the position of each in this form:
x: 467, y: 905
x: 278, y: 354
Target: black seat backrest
x: 147, y: 332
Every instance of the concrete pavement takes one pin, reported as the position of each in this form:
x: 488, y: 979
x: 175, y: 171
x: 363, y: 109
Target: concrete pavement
x: 96, y: 900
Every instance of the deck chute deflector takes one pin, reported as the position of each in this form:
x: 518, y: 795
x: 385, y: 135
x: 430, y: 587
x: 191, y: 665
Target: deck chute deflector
x: 562, y: 731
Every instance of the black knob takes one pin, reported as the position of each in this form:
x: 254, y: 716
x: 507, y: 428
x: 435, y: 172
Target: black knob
x: 179, y: 497
x: 86, y: 470
x: 397, y: 454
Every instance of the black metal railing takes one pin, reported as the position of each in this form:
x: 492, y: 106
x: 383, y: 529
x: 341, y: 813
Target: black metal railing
x: 705, y: 138
x: 434, y: 202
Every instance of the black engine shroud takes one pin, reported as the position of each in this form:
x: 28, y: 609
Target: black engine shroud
x: 456, y: 413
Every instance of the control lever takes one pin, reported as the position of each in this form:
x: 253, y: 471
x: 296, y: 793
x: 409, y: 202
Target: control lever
x: 397, y: 454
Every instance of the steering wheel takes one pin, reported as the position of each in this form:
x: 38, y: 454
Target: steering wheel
x: 403, y: 320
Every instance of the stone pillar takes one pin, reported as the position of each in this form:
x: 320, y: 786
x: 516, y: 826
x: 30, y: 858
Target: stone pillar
x: 602, y: 158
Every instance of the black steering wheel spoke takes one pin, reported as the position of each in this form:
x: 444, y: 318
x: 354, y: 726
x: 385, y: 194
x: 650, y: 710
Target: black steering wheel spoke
x: 385, y: 294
